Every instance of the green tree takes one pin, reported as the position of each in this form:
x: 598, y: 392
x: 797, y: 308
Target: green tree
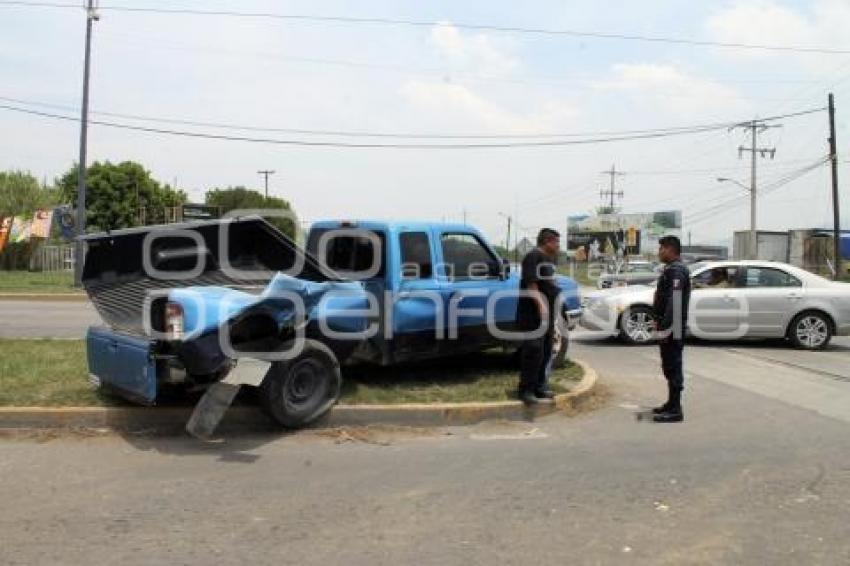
x: 235, y: 198
x: 21, y: 194
x: 121, y: 195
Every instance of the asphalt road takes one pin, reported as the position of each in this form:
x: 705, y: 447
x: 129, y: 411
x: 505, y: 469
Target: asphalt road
x: 758, y: 474
x: 46, y: 319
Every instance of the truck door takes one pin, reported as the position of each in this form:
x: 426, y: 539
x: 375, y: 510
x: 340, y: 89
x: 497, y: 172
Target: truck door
x: 472, y: 273
x: 417, y: 313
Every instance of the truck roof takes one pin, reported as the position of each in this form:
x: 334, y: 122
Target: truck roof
x: 395, y: 225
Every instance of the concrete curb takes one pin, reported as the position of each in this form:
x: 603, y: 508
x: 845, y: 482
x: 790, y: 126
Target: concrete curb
x: 251, y: 419
x: 54, y: 297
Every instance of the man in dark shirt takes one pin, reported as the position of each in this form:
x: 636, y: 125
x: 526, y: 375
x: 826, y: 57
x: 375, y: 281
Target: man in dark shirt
x: 537, y: 311
x: 672, y: 296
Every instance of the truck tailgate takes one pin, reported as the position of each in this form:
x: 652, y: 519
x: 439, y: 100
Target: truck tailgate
x: 122, y: 362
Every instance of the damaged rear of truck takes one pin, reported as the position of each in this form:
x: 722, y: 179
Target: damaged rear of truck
x: 216, y: 305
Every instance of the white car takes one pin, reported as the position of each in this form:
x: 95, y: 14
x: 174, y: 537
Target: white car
x: 732, y: 300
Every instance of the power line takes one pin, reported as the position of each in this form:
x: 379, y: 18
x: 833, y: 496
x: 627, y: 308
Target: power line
x: 368, y: 145
x: 460, y: 25
x: 709, y: 170
x: 598, y: 136
x: 712, y: 211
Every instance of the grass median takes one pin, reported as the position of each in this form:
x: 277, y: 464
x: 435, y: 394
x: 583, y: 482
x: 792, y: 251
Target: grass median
x: 485, y: 376
x: 54, y: 373
x: 16, y: 282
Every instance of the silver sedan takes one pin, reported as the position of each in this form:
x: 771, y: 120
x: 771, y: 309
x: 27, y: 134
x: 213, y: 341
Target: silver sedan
x: 734, y: 300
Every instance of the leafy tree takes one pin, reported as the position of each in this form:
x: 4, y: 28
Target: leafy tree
x: 21, y: 194
x: 121, y: 195
x: 235, y: 198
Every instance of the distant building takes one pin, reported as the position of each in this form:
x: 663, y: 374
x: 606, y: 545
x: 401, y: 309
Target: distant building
x: 706, y: 252
x: 809, y: 248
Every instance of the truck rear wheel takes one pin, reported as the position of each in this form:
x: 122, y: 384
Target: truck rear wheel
x: 297, y: 392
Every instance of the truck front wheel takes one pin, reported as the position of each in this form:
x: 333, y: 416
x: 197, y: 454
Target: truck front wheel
x: 297, y: 392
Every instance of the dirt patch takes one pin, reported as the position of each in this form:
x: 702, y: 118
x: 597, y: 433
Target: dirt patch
x: 598, y: 398
x: 380, y: 435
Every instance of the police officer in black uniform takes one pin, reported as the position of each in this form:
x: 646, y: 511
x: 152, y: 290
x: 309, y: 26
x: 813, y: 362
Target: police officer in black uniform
x: 672, y: 296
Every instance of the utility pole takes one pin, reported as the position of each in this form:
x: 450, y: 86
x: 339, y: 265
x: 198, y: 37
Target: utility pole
x: 836, y: 216
x: 79, y: 248
x: 755, y: 127
x: 265, y: 173
x: 611, y: 193
x: 508, y: 237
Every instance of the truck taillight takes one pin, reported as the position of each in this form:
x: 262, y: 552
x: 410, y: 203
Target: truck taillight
x: 173, y: 321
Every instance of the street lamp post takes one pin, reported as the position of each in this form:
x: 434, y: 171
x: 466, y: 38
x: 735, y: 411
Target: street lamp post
x: 753, y: 251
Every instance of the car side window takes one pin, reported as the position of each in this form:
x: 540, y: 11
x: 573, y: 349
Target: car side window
x: 716, y: 278
x: 770, y: 277
x: 465, y: 256
x: 416, y: 261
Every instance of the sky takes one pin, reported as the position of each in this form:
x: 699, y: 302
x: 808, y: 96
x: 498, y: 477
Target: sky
x: 441, y: 79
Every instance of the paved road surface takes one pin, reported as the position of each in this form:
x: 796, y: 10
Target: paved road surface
x: 46, y: 319
x: 758, y: 474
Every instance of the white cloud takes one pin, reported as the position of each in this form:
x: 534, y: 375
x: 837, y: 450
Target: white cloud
x: 676, y: 91
x: 770, y: 23
x: 458, y: 108
x: 477, y: 51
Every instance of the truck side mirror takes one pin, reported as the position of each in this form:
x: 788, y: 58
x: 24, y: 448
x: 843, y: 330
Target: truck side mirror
x: 506, y: 267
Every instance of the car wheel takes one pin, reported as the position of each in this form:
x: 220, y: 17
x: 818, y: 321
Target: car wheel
x: 297, y: 392
x: 810, y: 331
x: 636, y: 325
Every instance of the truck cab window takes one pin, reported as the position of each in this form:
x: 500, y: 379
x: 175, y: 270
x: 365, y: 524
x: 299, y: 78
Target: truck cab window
x: 349, y: 254
x: 466, y: 257
x: 416, y: 262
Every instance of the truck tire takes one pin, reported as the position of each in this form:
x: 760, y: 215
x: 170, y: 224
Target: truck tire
x: 296, y: 392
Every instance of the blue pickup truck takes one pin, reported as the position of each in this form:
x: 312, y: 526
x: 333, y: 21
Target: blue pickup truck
x: 215, y: 305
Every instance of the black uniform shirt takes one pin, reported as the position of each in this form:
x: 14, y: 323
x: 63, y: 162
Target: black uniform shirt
x: 538, y: 268
x: 674, y: 284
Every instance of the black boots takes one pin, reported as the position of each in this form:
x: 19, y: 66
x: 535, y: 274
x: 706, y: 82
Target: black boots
x: 671, y: 411
x: 666, y: 406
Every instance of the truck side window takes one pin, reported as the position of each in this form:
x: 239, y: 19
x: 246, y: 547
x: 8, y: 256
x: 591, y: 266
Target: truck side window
x: 416, y: 262
x: 349, y: 254
x: 465, y: 257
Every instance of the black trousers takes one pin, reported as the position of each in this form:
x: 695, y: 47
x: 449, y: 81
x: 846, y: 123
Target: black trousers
x: 534, y: 360
x: 671, y: 363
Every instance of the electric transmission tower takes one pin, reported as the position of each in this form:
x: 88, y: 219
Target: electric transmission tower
x: 754, y: 128
x: 609, y: 195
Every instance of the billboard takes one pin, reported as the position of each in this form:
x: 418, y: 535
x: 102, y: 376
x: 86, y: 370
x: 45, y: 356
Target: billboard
x: 594, y: 237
